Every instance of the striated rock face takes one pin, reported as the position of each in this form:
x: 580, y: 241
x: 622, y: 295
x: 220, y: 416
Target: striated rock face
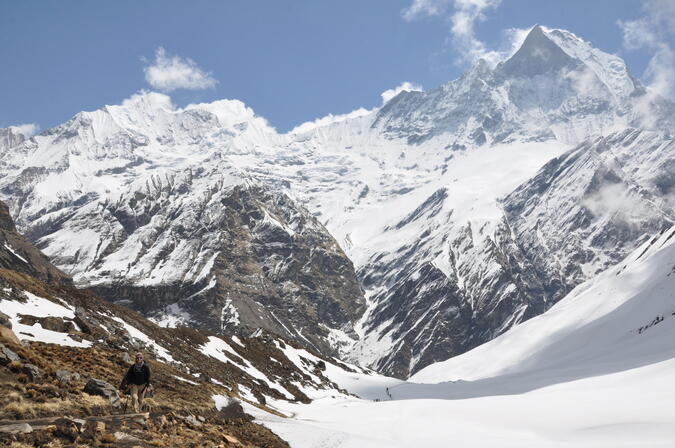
x: 18, y: 254
x: 584, y: 211
x: 256, y: 260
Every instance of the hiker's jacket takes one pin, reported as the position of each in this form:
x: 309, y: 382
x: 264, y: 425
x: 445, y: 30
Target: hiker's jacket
x: 137, y: 376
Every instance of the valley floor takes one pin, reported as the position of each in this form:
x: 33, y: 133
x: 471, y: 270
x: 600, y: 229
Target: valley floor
x: 634, y: 408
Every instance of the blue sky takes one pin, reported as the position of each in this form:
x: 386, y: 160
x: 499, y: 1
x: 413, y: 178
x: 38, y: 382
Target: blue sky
x: 291, y: 61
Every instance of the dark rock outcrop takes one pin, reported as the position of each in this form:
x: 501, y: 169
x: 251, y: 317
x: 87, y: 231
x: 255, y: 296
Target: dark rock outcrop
x: 18, y: 254
x: 99, y: 387
x: 7, y: 355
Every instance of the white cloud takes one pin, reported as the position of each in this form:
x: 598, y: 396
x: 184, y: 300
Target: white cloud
x: 26, y: 129
x: 463, y: 16
x: 585, y: 82
x: 651, y: 33
x: 616, y: 200
x: 425, y: 8
x: 403, y: 87
x: 637, y: 34
x: 329, y: 119
x: 360, y: 112
x: 169, y: 73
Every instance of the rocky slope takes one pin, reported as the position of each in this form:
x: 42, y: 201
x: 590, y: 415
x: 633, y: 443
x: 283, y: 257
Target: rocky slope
x: 206, y: 215
x: 55, y: 338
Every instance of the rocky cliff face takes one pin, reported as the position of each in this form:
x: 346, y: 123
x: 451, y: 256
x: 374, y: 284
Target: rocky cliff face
x: 452, y: 285
x: 586, y: 209
x: 18, y: 254
x: 256, y: 261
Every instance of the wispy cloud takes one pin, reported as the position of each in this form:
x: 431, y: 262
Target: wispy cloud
x: 403, y: 87
x: 463, y: 16
x: 329, y: 119
x: 26, y: 129
x: 618, y: 201
x: 168, y: 73
x: 420, y: 8
x: 652, y: 33
x: 360, y: 112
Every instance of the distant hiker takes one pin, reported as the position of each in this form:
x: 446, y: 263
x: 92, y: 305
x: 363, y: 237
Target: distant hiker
x: 388, y: 393
x: 138, y: 381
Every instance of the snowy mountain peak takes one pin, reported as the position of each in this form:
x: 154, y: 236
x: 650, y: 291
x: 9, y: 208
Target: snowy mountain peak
x: 537, y: 55
x: 610, y: 69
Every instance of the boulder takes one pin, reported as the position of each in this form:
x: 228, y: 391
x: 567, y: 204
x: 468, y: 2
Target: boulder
x: 52, y: 323
x: 69, y: 428
x: 92, y: 429
x: 99, y: 387
x: 57, y: 324
x: 16, y: 428
x: 89, y: 324
x: 32, y: 371
x: 5, y: 321
x: 8, y: 335
x: 7, y: 356
x: 231, y: 439
x: 233, y: 410
x: 124, y: 357
x: 125, y: 438
x: 191, y: 421
x: 66, y: 377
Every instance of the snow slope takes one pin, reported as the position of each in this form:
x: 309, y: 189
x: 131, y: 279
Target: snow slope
x: 622, y: 319
x: 627, y: 409
x: 594, y: 371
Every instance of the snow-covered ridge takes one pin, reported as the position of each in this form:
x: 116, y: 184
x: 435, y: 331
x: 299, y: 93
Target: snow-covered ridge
x: 622, y: 319
x: 148, y: 199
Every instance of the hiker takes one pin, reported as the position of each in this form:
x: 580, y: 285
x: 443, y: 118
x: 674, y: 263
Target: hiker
x: 138, y: 380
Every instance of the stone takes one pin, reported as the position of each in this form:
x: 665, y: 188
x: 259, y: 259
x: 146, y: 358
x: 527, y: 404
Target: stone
x: 89, y: 324
x: 231, y: 439
x: 124, y: 356
x: 233, y: 410
x: 5, y: 321
x: 69, y: 426
x: 51, y: 323
x: 32, y: 371
x: 7, y: 355
x: 16, y: 428
x: 192, y: 421
x: 99, y: 387
x: 125, y: 438
x: 92, y: 429
x: 66, y: 377
x: 161, y: 421
x: 8, y: 335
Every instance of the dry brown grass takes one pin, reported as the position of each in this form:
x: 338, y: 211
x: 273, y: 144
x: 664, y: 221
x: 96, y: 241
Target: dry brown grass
x: 107, y: 438
x: 25, y: 282
x: 32, y: 409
